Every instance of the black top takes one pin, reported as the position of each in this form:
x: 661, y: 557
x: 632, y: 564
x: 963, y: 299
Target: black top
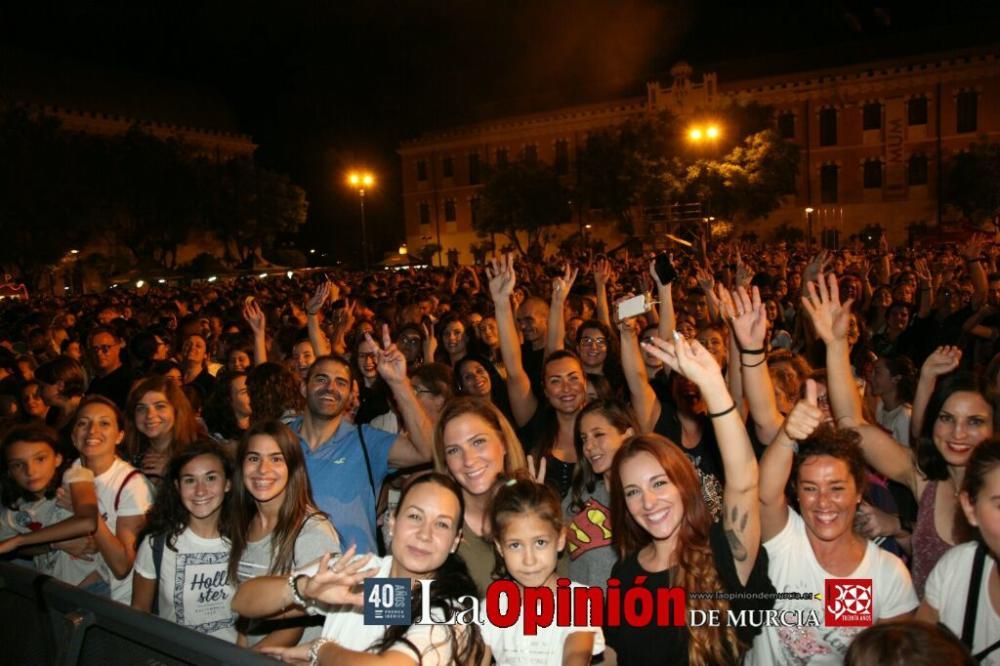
x: 532, y: 360
x: 114, y: 386
x: 669, y: 645
x: 539, y: 434
x: 704, y: 455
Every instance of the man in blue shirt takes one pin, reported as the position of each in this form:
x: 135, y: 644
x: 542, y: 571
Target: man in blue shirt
x: 332, y: 445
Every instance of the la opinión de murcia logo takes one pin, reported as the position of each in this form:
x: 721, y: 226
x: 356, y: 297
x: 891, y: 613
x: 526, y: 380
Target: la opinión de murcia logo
x: 848, y: 602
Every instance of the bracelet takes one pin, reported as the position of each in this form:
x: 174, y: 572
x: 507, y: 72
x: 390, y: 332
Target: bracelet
x: 753, y: 352
x: 293, y: 582
x: 723, y: 412
x: 753, y: 365
x: 314, y: 650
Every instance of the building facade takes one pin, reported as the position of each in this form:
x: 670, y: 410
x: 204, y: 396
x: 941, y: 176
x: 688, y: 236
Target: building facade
x: 874, y: 140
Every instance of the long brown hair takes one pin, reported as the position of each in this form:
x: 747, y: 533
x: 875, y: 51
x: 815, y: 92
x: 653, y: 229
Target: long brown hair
x: 513, y: 462
x: 695, y: 569
x: 296, y: 508
x: 185, y: 430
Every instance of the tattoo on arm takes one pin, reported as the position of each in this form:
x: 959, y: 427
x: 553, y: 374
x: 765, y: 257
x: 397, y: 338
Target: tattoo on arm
x: 737, y: 523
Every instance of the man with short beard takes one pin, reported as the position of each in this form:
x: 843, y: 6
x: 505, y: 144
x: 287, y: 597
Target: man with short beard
x: 347, y: 463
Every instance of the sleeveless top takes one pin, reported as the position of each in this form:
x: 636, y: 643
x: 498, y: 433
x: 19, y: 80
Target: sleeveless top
x: 928, y: 546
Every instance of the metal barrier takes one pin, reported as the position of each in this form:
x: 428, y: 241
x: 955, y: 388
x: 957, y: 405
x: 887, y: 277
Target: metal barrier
x: 46, y: 622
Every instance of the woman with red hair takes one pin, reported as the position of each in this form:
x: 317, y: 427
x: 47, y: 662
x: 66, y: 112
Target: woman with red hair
x: 665, y: 534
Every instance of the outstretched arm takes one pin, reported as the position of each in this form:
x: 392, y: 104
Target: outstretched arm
x: 557, y: 310
x: 741, y: 504
x: 749, y: 323
x: 502, y: 280
x: 254, y: 317
x: 830, y: 320
x: 602, y: 274
x: 83, y: 522
x: 644, y: 401
x: 776, y: 463
x: 417, y: 446
x: 326, y: 291
x: 665, y: 294
x: 942, y: 361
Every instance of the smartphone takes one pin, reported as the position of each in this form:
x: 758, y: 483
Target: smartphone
x: 664, y: 268
x: 632, y: 307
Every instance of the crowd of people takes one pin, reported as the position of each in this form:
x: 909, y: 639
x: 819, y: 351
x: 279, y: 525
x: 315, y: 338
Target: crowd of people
x: 237, y: 457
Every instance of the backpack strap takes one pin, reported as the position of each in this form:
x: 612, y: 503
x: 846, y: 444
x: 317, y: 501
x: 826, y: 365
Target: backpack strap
x: 156, y: 544
x: 121, y: 488
x: 368, y: 462
x: 972, y: 600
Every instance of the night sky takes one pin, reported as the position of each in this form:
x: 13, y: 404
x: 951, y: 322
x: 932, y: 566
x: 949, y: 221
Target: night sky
x: 323, y: 85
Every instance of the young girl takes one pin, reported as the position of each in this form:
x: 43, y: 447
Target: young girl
x: 276, y: 525
x: 601, y: 429
x: 181, y: 569
x: 528, y: 533
x: 123, y: 493
x: 30, y: 519
x: 161, y: 423
x: 427, y: 527
x: 952, y: 597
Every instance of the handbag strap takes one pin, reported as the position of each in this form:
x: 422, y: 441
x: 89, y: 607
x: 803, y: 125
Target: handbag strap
x: 972, y: 600
x: 368, y: 462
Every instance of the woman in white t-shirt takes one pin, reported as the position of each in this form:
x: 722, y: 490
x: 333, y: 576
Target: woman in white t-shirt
x: 952, y: 595
x: 808, y: 547
x: 123, y: 493
x: 181, y: 570
x: 427, y: 529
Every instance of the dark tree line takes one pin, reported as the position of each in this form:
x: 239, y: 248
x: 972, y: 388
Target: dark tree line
x: 61, y: 190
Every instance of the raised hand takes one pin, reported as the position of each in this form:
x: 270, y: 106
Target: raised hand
x: 655, y: 276
x: 974, y: 248
x: 502, y: 277
x: 430, y: 342
x: 562, y: 285
x: 829, y: 316
x: 337, y: 583
x: 391, y: 362
x: 687, y: 358
x: 602, y: 272
x: 749, y: 318
x: 805, y: 416
x: 817, y: 266
x: 942, y: 361
x: 326, y: 291
x: 254, y: 316
x: 744, y: 274
x: 705, y: 279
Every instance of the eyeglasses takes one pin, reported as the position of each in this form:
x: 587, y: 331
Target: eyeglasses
x: 409, y: 340
x: 420, y: 390
x: 594, y: 342
x: 103, y: 349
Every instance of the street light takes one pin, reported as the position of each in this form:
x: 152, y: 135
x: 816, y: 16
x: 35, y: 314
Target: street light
x: 362, y: 180
x: 809, y: 224
x: 698, y: 133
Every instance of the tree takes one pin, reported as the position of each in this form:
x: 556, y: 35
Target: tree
x: 648, y: 162
x: 972, y: 183
x: 526, y: 197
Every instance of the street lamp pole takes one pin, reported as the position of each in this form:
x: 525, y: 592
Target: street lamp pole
x: 362, y: 180
x: 809, y: 227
